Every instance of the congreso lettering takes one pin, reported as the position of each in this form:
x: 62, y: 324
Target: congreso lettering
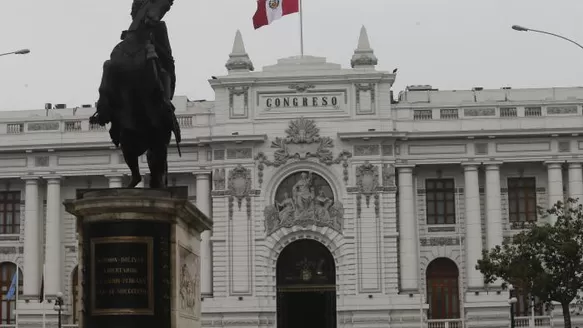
x: 283, y: 102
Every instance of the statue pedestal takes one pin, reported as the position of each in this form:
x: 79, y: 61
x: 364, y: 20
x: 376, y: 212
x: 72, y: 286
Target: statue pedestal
x: 139, y: 261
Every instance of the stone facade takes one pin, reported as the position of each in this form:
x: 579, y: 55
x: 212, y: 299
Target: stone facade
x: 304, y: 122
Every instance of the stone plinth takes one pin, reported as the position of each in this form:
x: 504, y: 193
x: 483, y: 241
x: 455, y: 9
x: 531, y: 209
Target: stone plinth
x: 139, y: 260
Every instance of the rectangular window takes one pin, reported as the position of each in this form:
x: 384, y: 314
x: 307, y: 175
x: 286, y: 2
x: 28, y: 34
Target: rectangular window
x: 522, y: 199
x: 440, y: 201
x: 9, y: 212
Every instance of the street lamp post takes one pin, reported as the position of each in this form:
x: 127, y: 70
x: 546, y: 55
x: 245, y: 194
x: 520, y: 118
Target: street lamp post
x: 526, y: 29
x: 59, y: 304
x: 17, y: 52
x: 511, y: 301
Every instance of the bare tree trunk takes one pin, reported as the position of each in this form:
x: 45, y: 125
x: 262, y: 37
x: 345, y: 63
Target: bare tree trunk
x: 566, y: 314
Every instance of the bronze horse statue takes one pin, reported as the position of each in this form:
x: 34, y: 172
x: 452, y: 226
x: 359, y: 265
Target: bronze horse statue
x: 136, y: 90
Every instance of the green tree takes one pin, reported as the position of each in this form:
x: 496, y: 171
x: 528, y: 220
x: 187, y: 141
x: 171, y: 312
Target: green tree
x: 545, y: 260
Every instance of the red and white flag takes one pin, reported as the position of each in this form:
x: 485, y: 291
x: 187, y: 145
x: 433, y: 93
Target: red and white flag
x: 271, y: 10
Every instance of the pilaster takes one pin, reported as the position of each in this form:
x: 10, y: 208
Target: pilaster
x: 408, y: 238
x: 203, y: 202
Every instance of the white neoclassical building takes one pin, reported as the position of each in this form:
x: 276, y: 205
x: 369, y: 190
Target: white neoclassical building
x: 335, y: 203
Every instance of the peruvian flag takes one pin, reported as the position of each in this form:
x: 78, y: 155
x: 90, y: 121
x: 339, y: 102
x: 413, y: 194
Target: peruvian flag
x: 271, y: 10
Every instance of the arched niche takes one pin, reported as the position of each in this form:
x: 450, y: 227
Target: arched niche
x: 304, y: 198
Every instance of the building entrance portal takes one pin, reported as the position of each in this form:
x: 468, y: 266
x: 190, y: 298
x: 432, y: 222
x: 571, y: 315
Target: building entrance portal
x: 306, y: 286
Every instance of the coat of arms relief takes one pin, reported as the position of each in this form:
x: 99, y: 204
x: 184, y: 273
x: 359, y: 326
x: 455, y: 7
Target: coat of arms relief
x: 303, y: 141
x: 303, y: 198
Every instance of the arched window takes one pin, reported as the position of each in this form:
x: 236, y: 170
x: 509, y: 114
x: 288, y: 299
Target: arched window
x: 75, y: 294
x: 7, y: 310
x: 443, y: 289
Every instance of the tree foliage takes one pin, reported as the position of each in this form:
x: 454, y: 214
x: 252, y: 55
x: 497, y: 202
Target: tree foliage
x: 545, y: 260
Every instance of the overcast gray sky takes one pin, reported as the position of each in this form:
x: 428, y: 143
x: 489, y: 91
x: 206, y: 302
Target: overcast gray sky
x: 450, y: 44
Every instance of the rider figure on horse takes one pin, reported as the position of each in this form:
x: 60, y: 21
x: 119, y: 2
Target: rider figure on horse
x: 136, y: 90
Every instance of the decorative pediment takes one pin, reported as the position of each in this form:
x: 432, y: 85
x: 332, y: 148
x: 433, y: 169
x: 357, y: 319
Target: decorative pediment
x: 303, y: 141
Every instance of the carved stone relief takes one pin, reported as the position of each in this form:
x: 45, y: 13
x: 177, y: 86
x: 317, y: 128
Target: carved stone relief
x: 367, y: 181
x: 41, y: 161
x: 239, y: 184
x: 189, y: 277
x: 366, y: 150
x: 304, y: 199
x: 303, y: 141
x: 440, y: 241
x: 301, y: 87
x: 239, y: 153
x: 389, y: 174
x: 219, y: 179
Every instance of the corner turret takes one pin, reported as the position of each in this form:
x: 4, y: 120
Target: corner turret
x: 239, y: 60
x: 364, y: 56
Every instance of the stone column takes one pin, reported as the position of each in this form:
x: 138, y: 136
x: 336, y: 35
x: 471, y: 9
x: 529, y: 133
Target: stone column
x: 203, y: 202
x: 555, y: 185
x: 115, y: 180
x: 53, y: 248
x: 494, y: 228
x: 493, y: 206
x: 409, y: 275
x: 473, y: 226
x: 32, y: 244
x: 576, y: 182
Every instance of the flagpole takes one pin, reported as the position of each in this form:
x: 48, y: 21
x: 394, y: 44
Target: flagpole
x: 43, y: 302
x: 17, y: 288
x: 301, y: 29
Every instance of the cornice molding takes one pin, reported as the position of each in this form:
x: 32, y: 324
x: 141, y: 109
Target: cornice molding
x: 255, y: 138
x: 489, y: 134
x: 345, y: 76
x: 370, y: 135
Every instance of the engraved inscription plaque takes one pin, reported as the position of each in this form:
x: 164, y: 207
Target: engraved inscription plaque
x: 122, y: 276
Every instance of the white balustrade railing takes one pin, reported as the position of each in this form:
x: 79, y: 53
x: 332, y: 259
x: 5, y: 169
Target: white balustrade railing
x: 445, y: 323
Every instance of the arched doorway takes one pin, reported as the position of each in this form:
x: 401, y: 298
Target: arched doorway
x: 306, y: 286
x: 443, y: 289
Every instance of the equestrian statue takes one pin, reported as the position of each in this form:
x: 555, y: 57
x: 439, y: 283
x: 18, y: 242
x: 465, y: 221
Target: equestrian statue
x: 136, y: 93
